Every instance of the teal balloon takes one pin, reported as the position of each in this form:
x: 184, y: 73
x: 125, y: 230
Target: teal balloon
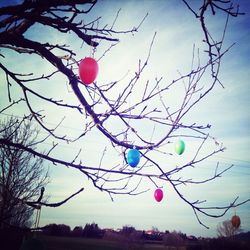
x: 133, y: 157
x: 32, y: 244
x: 179, y: 147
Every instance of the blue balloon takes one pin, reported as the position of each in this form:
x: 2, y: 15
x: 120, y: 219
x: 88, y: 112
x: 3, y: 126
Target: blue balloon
x: 133, y: 157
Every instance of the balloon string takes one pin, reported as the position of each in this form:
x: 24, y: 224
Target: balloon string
x: 38, y: 214
x: 35, y: 220
x: 93, y: 48
x: 36, y: 224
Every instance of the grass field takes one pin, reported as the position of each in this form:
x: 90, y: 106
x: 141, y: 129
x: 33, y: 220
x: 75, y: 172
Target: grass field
x: 73, y: 243
x: 70, y: 243
x: 63, y: 243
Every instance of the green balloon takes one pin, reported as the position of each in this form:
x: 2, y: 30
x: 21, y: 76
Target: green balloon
x: 179, y: 147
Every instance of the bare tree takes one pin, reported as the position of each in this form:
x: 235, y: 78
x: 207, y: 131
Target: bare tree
x: 173, y: 239
x: 101, y: 105
x: 22, y: 176
x: 226, y: 229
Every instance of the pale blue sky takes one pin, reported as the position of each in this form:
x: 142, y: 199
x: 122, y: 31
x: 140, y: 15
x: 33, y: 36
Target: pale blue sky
x: 225, y: 109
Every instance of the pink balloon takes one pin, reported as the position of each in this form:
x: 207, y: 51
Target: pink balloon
x: 158, y: 194
x: 88, y: 70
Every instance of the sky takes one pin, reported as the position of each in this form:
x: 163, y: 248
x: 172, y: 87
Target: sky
x: 226, y: 109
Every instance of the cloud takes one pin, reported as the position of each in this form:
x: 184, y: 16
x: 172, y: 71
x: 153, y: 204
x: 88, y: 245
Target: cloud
x: 226, y: 109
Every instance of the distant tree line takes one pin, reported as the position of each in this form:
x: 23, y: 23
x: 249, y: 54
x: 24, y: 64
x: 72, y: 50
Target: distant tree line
x: 131, y: 238
x: 92, y: 230
x: 89, y: 231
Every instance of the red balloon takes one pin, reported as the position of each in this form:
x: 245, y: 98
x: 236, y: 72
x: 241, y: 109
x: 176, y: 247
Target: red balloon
x: 235, y: 221
x: 158, y: 194
x: 88, y: 70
